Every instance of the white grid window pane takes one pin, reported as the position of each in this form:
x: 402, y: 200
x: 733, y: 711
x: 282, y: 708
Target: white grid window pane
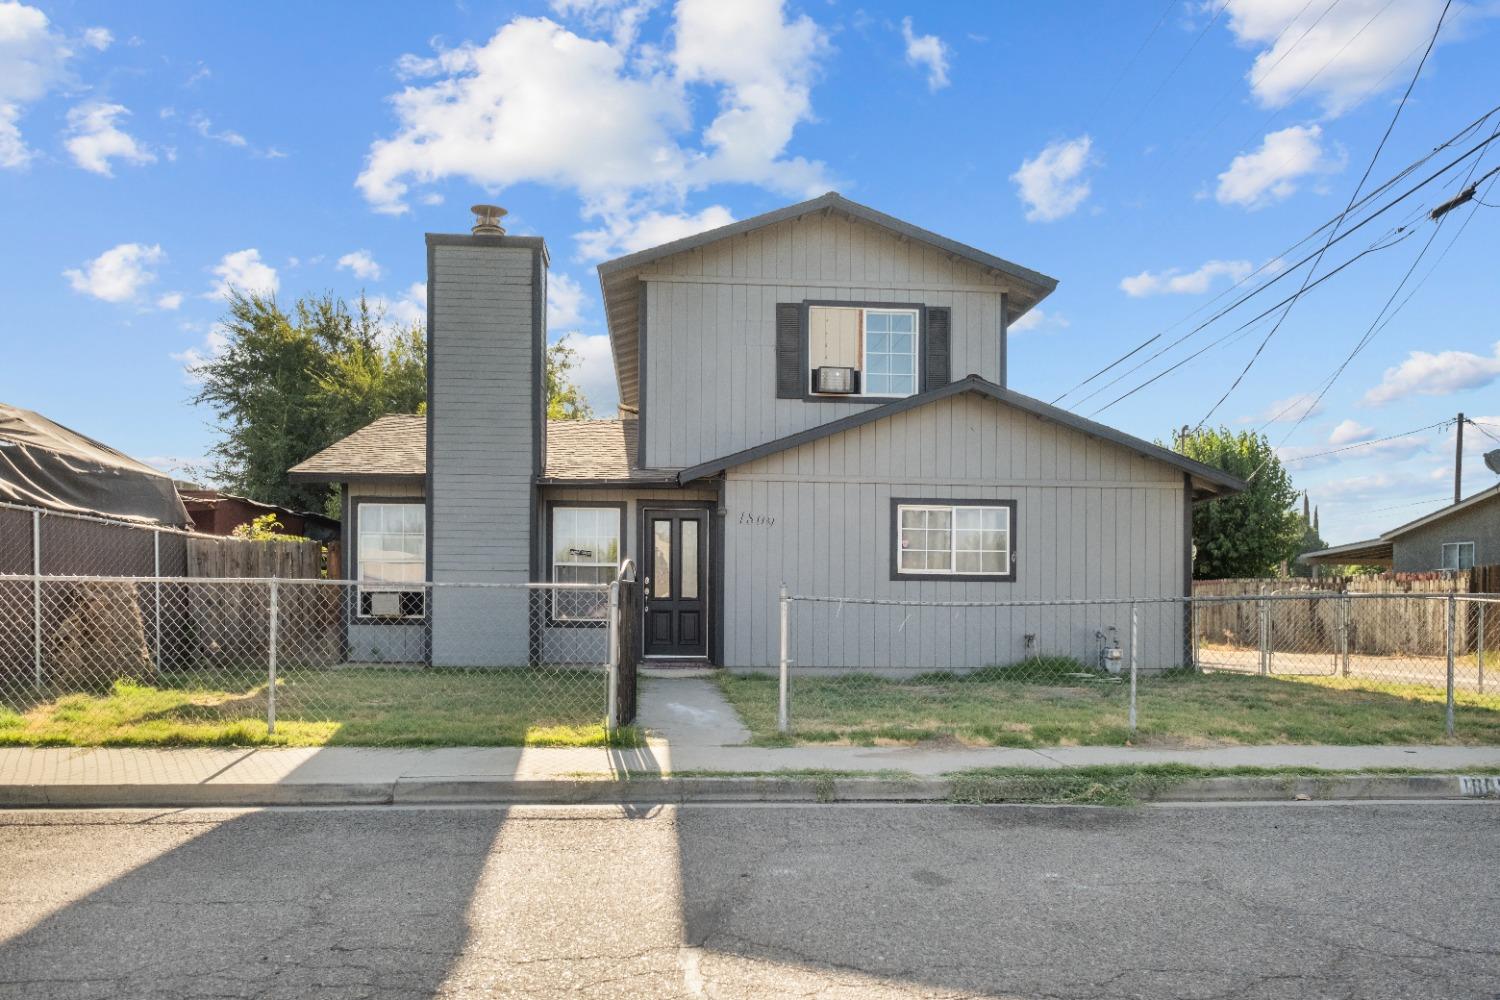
x: 391, y: 552
x: 890, y: 352
x: 959, y: 539
x: 585, y: 549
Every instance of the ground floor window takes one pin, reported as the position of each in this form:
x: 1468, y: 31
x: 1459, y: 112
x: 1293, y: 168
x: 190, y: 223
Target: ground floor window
x: 1458, y: 555
x: 391, y: 550
x: 586, y: 544
x: 950, y: 538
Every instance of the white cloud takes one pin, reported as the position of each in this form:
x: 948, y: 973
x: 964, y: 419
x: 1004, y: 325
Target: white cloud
x: 1350, y: 432
x: 1051, y: 183
x: 926, y: 51
x: 204, y: 126
x: 1291, y: 409
x: 1038, y: 319
x: 33, y: 60
x: 98, y: 38
x: 1342, y: 54
x: 362, y: 263
x: 624, y: 232
x: 1176, y: 282
x: 1271, y: 173
x: 611, y: 120
x: 215, y: 343
x: 1424, y: 374
x: 119, y: 274
x: 595, y: 373
x: 171, y: 300
x: 244, y: 272
x: 95, y: 138
x: 14, y: 153
x: 564, y: 302
x: 410, y: 309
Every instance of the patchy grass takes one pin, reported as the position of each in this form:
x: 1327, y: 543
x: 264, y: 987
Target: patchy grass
x: 349, y: 707
x: 1006, y: 707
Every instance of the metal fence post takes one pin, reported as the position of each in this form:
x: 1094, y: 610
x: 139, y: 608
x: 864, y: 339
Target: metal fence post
x: 1479, y: 651
x: 1265, y: 638
x: 1135, y: 650
x: 271, y: 658
x: 611, y: 715
x: 1452, y: 620
x: 156, y: 597
x: 783, y: 708
x: 1344, y: 634
x: 36, y: 599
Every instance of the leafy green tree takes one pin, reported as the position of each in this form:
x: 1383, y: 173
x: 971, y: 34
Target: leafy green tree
x: 286, y: 385
x: 1251, y: 533
x: 565, y: 400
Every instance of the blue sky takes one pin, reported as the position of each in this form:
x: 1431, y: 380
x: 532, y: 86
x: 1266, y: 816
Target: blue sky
x: 1147, y: 155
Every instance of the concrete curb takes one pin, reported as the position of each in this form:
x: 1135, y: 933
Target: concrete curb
x: 680, y: 791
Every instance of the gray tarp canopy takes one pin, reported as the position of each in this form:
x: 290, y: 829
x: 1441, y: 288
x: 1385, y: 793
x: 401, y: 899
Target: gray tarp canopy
x: 43, y: 464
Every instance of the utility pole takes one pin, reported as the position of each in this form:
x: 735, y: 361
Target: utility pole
x: 1458, y: 462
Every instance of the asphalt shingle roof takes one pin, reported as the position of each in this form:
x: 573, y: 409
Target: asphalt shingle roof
x: 396, y: 445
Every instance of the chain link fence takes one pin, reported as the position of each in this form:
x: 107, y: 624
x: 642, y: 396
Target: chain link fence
x: 1305, y: 668
x: 98, y: 659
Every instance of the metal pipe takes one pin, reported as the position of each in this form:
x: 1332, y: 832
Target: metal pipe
x: 1135, y: 650
x: 271, y: 657
x: 611, y: 715
x: 1452, y: 620
x: 156, y: 555
x: 1344, y: 630
x: 1265, y: 639
x: 36, y: 599
x: 783, y: 708
x: 1479, y: 652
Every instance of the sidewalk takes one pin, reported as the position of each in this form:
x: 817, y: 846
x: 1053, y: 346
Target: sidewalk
x: 694, y: 752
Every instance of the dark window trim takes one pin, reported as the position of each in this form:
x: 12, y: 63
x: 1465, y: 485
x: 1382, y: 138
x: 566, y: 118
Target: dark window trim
x: 812, y: 397
x: 552, y: 505
x: 1458, y: 569
x: 893, y: 539
x: 353, y: 505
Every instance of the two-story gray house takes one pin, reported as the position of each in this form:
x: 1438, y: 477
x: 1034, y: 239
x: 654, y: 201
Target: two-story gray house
x: 816, y: 396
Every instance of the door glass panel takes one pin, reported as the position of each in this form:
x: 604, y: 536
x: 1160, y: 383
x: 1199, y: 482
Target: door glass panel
x: 661, y: 560
x: 689, y: 559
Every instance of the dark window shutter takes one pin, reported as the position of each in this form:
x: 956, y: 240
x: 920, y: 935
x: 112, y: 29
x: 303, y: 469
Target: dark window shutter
x: 935, y: 363
x: 791, y: 380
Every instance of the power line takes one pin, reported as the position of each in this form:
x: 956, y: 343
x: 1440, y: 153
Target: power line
x: 1364, y: 444
x: 1479, y: 426
x: 1173, y: 71
x: 1119, y: 78
x: 1396, y: 115
x: 1387, y: 185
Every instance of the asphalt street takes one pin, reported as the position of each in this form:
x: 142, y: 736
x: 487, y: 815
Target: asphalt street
x: 1293, y: 900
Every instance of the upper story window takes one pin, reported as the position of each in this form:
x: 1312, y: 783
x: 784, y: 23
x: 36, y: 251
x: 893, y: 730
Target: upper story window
x: 862, y: 351
x: 1458, y: 555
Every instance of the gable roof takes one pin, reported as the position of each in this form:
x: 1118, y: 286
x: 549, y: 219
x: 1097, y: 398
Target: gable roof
x: 1453, y: 508
x: 395, y: 447
x: 1208, y: 482
x: 392, y: 446
x: 621, y: 292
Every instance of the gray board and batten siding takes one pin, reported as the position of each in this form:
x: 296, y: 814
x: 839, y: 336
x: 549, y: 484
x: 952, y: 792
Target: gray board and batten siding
x: 1094, y: 520
x: 708, y: 376
x: 486, y: 431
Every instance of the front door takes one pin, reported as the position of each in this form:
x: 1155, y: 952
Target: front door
x: 675, y: 573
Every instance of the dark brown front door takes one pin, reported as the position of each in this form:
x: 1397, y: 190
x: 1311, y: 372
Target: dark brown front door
x: 675, y: 544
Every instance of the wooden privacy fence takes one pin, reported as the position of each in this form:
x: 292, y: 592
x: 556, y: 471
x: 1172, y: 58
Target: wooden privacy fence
x: 1383, y: 626
x: 87, y: 633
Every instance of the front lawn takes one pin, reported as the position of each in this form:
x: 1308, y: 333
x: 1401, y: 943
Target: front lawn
x: 344, y: 707
x: 991, y: 709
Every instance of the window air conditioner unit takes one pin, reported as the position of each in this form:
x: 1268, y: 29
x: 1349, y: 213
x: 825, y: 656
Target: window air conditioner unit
x: 835, y: 380
x: 385, y: 604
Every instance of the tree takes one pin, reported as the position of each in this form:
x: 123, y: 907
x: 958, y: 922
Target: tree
x: 1251, y: 533
x: 565, y: 400
x: 286, y: 386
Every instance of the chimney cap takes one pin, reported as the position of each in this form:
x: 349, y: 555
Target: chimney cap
x: 487, y: 220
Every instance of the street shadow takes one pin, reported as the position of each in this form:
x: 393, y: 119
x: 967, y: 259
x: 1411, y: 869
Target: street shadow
x: 274, y: 904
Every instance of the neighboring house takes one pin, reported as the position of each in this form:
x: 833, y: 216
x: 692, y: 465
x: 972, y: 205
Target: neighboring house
x: 1459, y: 536
x: 215, y: 512
x: 815, y: 396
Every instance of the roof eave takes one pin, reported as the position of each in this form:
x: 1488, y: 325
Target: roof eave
x: 347, y: 474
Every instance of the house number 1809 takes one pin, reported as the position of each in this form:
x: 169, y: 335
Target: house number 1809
x: 761, y: 520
